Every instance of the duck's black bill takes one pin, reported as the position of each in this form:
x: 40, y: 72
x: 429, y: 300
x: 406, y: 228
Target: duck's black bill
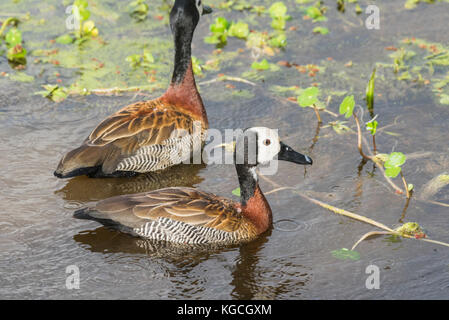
x: 206, y: 10
x: 290, y: 155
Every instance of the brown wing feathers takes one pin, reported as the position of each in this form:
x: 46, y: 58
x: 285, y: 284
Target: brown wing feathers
x: 186, y: 205
x: 121, y: 136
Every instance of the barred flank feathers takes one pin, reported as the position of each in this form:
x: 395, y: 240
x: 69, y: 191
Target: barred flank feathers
x: 159, y: 156
x: 165, y: 229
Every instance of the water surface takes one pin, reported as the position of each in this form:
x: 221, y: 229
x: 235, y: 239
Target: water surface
x: 39, y: 238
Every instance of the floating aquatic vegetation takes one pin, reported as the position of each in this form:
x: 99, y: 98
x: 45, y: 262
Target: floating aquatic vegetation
x: 372, y: 126
x: 53, y: 92
x: 412, y: 4
x: 279, y: 16
x: 15, y: 52
x: 144, y: 60
x: 338, y: 126
x: 316, y: 12
x: 84, y: 30
x: 418, y: 60
x: 344, y: 254
x: 138, y: 9
x: 321, y: 30
x: 262, y: 65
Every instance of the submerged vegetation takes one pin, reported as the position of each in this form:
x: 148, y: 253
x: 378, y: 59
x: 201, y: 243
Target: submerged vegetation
x: 120, y: 47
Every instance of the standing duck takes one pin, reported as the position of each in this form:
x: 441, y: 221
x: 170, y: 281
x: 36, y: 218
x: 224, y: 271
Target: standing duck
x: 190, y: 216
x: 150, y: 135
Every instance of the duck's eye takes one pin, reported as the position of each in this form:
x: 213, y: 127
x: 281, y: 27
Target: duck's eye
x: 267, y: 142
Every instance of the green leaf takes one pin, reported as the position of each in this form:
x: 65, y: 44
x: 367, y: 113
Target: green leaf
x: 396, y: 159
x: 322, y: 30
x: 220, y: 25
x: 372, y: 127
x: 344, y: 254
x: 277, y: 10
x: 65, y: 39
x: 236, y: 192
x: 16, y: 54
x: 279, y: 41
x: 263, y: 65
x: 347, y: 106
x: 239, y: 30
x: 313, y: 12
x: 53, y: 92
x: 214, y: 39
x: 308, y: 97
x: 81, y: 5
x: 147, y: 56
x: 13, y: 37
x: 278, y: 24
x: 392, y: 172
x: 197, y: 70
x: 370, y: 92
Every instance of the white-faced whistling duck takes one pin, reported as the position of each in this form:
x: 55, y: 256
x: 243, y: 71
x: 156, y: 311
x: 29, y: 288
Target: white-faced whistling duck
x: 189, y: 216
x: 150, y: 135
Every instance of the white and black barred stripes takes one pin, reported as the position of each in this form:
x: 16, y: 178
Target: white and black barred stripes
x: 165, y: 229
x: 158, y: 156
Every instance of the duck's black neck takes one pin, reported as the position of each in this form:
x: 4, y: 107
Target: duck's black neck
x: 248, y: 181
x: 183, y: 53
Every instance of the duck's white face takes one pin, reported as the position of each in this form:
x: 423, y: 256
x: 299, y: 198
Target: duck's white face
x: 268, y: 143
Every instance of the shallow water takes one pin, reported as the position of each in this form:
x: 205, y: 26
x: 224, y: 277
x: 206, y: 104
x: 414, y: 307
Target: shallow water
x: 39, y: 238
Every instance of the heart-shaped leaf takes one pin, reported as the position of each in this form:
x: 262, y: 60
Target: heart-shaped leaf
x: 347, y: 106
x: 396, y: 159
x: 308, y: 97
x: 392, y: 172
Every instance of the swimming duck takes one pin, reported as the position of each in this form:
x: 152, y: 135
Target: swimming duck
x: 150, y: 135
x: 189, y: 216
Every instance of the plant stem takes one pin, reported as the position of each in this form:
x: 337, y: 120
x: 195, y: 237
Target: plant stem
x: 317, y: 112
x: 227, y: 78
x: 5, y: 24
x: 407, y: 192
x: 359, y: 139
x: 315, y: 138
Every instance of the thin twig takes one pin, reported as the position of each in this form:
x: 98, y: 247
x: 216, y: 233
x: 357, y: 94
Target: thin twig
x: 407, y: 192
x: 359, y: 139
x: 6, y: 23
x: 369, y: 234
x: 317, y: 113
x: 227, y: 78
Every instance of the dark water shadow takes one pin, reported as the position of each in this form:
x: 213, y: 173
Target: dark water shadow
x: 84, y: 189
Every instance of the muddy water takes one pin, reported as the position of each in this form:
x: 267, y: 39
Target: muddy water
x: 39, y: 238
